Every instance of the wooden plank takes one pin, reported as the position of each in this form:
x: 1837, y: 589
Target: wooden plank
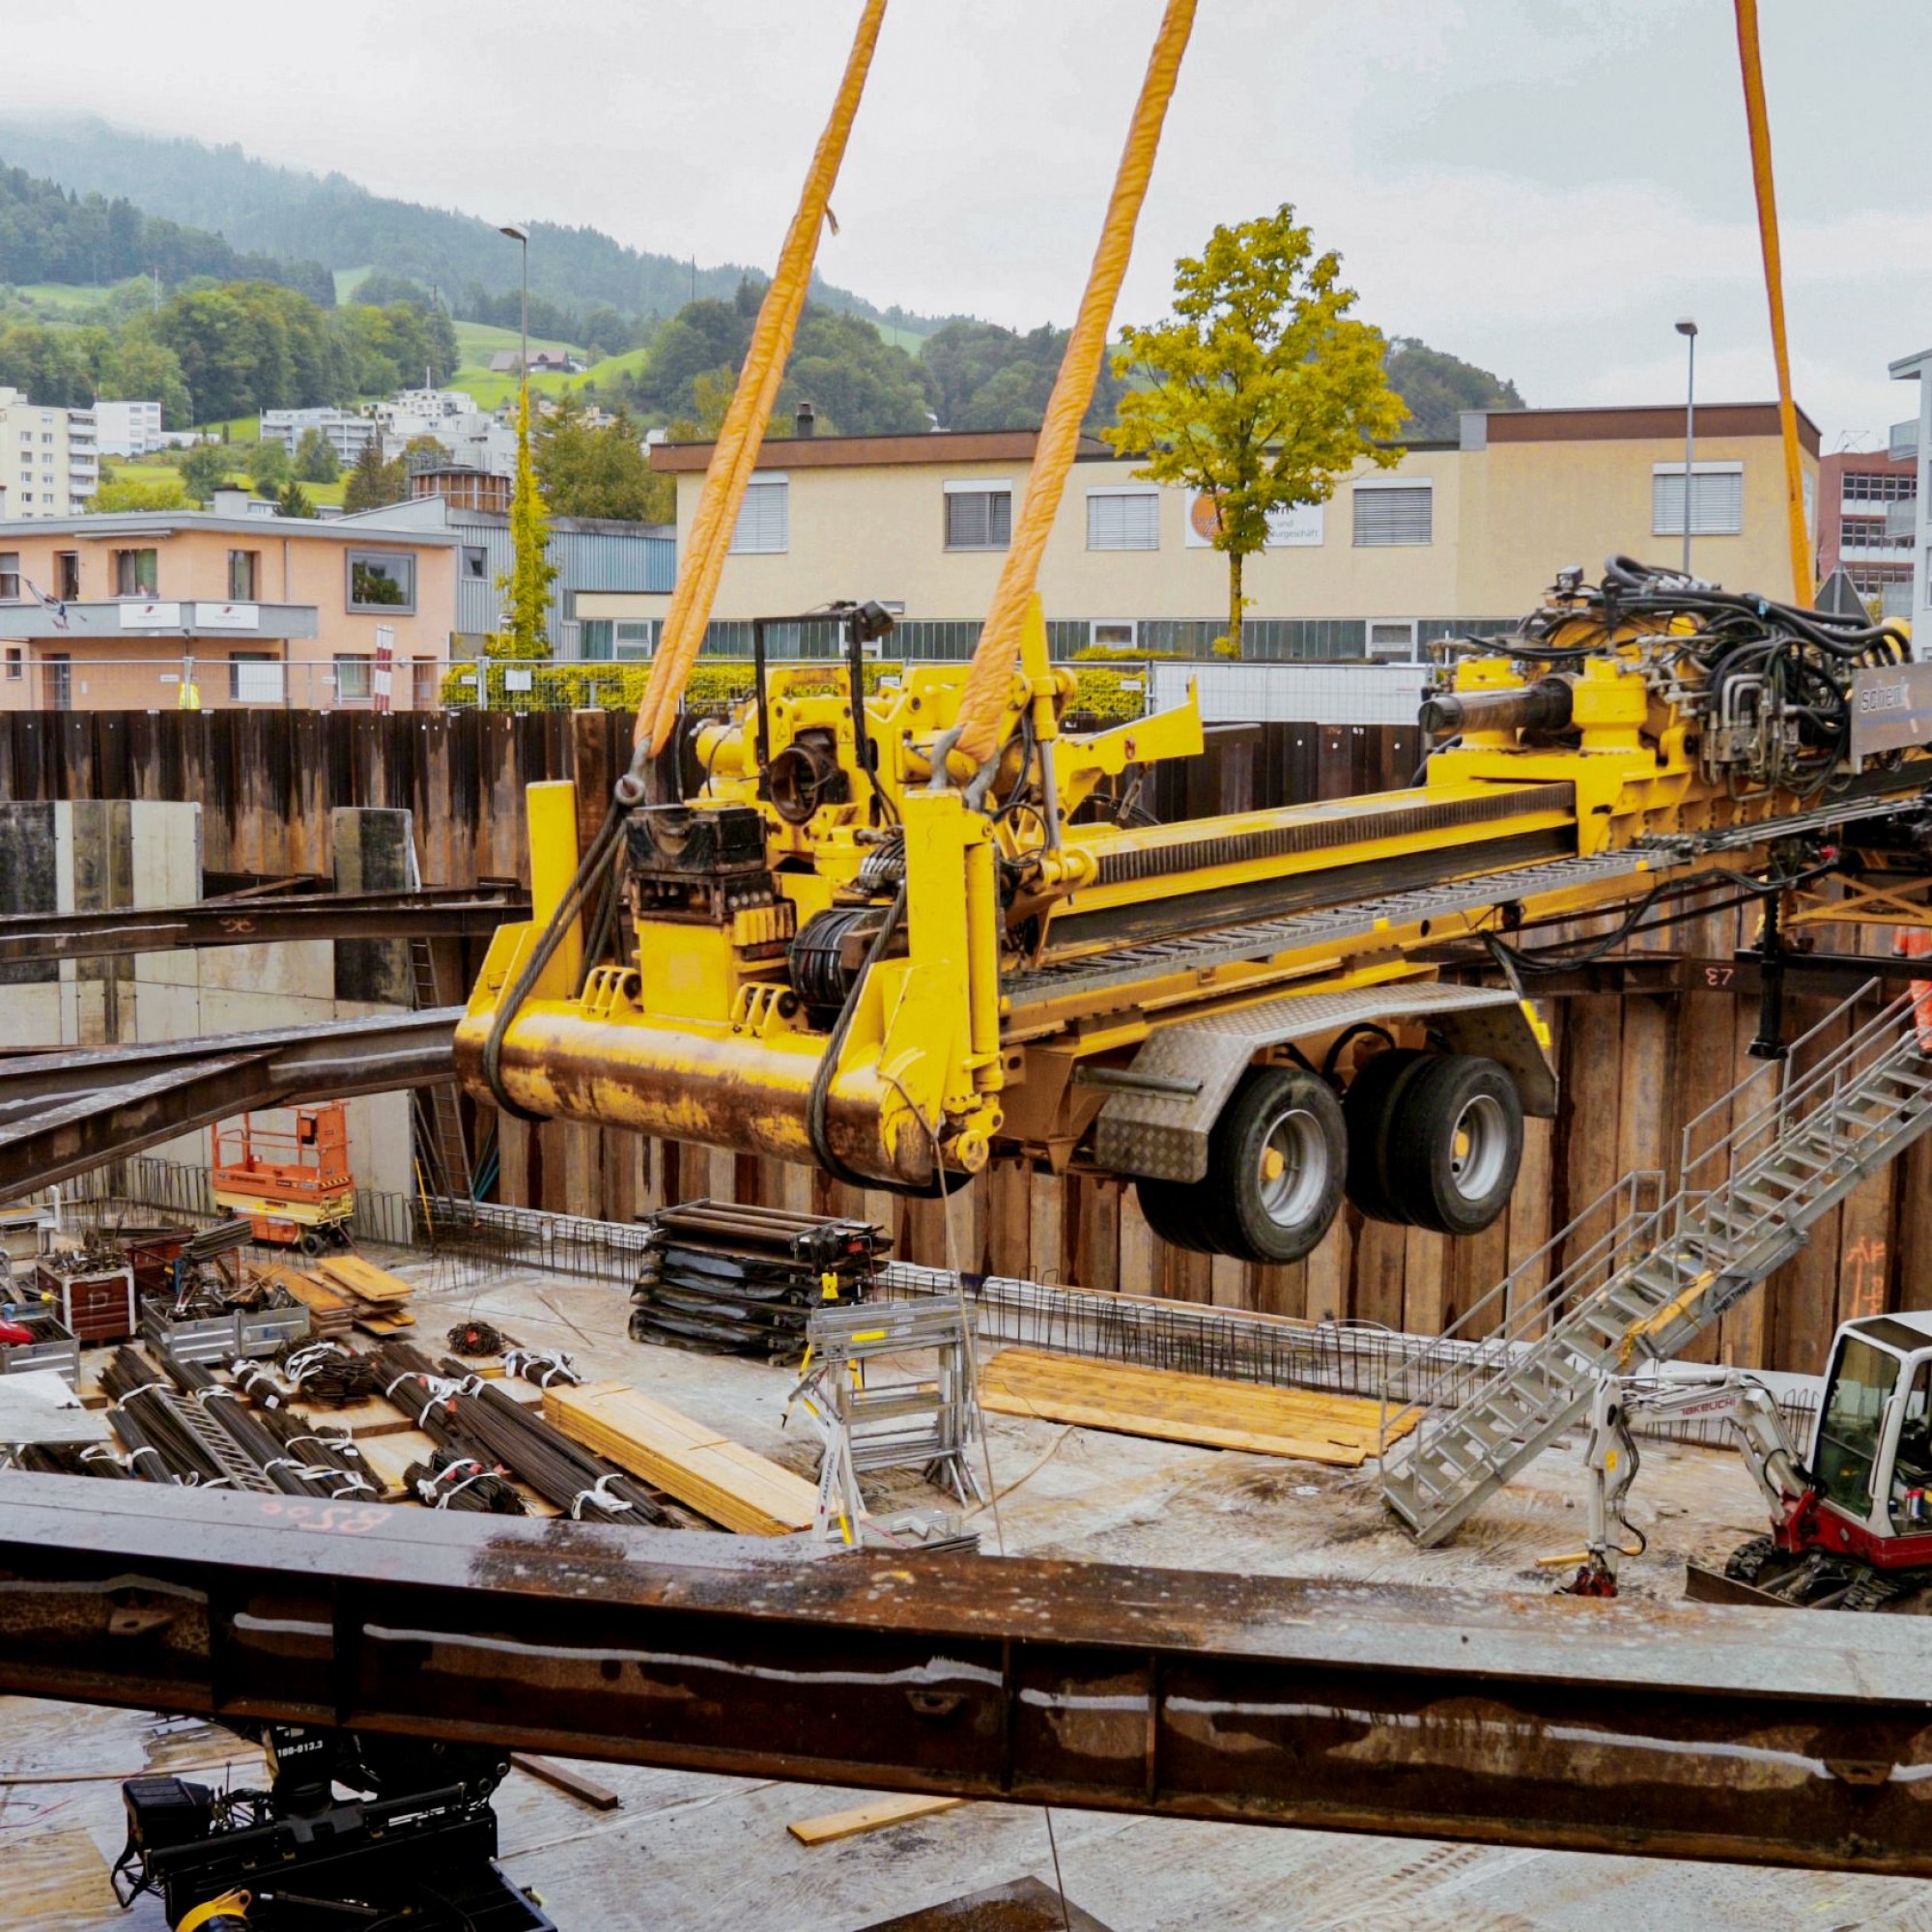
x: 585, y: 1790
x: 1382, y: 1254
x: 363, y: 1280
x: 1343, y: 1431
x: 831, y: 1825
x: 722, y: 1479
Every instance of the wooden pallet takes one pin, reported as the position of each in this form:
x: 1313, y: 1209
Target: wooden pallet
x: 733, y: 1486
x: 1306, y: 1424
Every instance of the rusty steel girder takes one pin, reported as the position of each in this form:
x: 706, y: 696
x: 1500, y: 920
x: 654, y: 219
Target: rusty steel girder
x: 1667, y: 1730
x: 65, y: 1112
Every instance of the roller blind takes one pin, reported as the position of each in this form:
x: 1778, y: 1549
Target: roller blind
x: 1717, y: 501
x: 765, y: 518
x: 1123, y: 520
x: 978, y: 519
x: 1394, y: 514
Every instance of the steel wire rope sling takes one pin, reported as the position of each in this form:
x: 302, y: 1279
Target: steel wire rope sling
x: 1758, y: 120
x: 974, y: 738
x: 732, y: 459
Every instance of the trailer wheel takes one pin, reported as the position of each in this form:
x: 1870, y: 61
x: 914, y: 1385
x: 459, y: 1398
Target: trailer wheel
x: 1455, y: 1144
x: 1178, y: 1212
x: 1276, y: 1163
x: 1370, y: 1108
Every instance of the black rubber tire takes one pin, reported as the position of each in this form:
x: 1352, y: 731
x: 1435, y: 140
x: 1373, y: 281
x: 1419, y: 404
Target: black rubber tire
x: 1178, y: 1212
x: 1369, y: 1108
x: 1451, y: 1094
x: 1272, y: 1101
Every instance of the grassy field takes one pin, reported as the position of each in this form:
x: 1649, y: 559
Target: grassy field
x: 349, y: 281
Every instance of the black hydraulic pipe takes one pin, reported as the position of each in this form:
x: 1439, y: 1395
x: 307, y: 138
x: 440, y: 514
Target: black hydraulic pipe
x: 1543, y: 706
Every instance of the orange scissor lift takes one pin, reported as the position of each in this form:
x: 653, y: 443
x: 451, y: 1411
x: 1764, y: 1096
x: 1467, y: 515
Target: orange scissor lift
x: 295, y: 1187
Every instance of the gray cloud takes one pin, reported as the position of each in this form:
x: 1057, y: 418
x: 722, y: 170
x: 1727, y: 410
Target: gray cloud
x: 1541, y: 185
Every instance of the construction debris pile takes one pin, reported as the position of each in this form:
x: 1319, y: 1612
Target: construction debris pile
x: 731, y: 1280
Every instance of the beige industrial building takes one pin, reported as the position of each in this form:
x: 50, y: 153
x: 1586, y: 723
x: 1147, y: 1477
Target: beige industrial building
x: 1452, y: 534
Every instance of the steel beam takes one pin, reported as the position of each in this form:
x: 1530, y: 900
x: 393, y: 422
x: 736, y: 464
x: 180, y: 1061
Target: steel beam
x: 63, y: 1113
x: 451, y: 912
x: 1678, y: 1730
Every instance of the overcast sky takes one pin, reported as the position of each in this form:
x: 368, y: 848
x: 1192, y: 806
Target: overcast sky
x: 1542, y: 187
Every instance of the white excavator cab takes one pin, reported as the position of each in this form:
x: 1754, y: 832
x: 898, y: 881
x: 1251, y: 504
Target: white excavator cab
x: 1871, y: 1454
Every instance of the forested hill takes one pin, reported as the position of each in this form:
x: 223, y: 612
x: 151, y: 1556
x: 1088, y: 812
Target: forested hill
x: 49, y: 233
x: 283, y: 212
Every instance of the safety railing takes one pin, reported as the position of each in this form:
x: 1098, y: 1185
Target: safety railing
x: 1710, y: 1182
x: 80, y: 677
x: 1494, y: 1334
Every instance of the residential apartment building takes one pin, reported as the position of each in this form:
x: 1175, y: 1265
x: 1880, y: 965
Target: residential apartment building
x: 1869, y: 501
x: 1911, y: 445
x: 593, y: 558
x: 348, y: 432
x: 128, y: 428
x: 166, y: 609
x: 1454, y: 535
x: 49, y: 459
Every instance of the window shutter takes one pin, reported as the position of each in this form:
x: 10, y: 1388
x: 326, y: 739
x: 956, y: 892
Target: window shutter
x: 1386, y: 515
x: 764, y: 521
x: 1123, y: 520
x: 1716, y: 502
x: 978, y: 519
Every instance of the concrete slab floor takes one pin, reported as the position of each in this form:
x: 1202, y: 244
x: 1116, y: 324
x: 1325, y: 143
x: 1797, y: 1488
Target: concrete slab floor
x: 702, y: 1854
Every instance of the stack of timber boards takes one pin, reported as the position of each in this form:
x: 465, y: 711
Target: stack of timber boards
x: 345, y: 1292
x: 1341, y: 1430
x: 733, y: 1486
x: 731, y: 1280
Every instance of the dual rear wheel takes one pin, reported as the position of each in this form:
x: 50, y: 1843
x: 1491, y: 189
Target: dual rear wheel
x: 1428, y: 1140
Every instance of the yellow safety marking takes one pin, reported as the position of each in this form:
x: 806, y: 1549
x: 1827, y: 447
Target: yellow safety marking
x: 1671, y: 1309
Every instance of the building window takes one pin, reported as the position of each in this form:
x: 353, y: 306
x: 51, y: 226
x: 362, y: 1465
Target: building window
x: 352, y: 679
x: 1123, y: 520
x: 10, y: 574
x: 254, y: 677
x: 1717, y: 499
x: 633, y: 637
x: 1392, y: 640
x: 764, y: 521
x: 1867, y: 486
x: 593, y: 637
x: 978, y: 515
x: 17, y: 667
x: 66, y: 575
x: 137, y: 572
x: 475, y: 560
x: 244, y: 573
x: 382, y: 581
x: 1388, y: 513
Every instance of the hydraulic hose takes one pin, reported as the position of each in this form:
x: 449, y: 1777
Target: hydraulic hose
x: 828, y: 1064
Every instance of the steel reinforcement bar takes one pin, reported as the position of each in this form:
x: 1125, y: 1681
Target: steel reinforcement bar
x: 1668, y: 1730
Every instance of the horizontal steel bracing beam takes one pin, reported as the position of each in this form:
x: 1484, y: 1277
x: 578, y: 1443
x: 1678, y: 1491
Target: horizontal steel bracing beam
x: 63, y: 1113
x: 1667, y: 1730
x: 449, y: 912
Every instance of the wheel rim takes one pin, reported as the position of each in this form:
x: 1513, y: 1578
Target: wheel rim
x: 1293, y: 1168
x: 1479, y: 1148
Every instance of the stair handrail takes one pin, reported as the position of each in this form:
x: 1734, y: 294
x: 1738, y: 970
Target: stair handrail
x: 1444, y: 1373
x: 1775, y: 1122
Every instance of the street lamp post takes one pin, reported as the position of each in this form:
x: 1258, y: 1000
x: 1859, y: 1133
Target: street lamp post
x: 1688, y: 330
x: 523, y: 240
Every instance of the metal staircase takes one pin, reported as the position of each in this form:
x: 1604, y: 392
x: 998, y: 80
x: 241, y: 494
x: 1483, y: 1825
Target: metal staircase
x: 1645, y: 1276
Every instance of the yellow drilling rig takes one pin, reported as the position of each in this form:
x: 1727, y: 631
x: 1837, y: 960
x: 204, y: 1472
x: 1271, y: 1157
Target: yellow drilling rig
x: 906, y: 933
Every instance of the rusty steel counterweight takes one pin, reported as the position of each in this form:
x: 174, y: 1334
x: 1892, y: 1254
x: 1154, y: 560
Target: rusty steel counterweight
x: 1667, y: 1730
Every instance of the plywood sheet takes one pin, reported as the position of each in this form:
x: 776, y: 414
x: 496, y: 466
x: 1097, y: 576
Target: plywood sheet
x: 721, y: 1479
x: 1344, y: 1430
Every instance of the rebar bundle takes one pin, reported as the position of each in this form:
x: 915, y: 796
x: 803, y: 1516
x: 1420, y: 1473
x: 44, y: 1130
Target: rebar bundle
x: 730, y: 1280
x: 73, y: 1459
x: 464, y: 1415
x: 545, y: 1367
x: 455, y: 1482
x: 329, y: 1373
x: 163, y: 1447
x: 294, y: 1457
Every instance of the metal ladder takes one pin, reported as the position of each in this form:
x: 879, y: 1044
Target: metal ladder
x: 1648, y: 1275
x: 442, y: 1155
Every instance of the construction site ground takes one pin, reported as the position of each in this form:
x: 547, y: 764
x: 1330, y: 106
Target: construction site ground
x: 706, y: 1853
